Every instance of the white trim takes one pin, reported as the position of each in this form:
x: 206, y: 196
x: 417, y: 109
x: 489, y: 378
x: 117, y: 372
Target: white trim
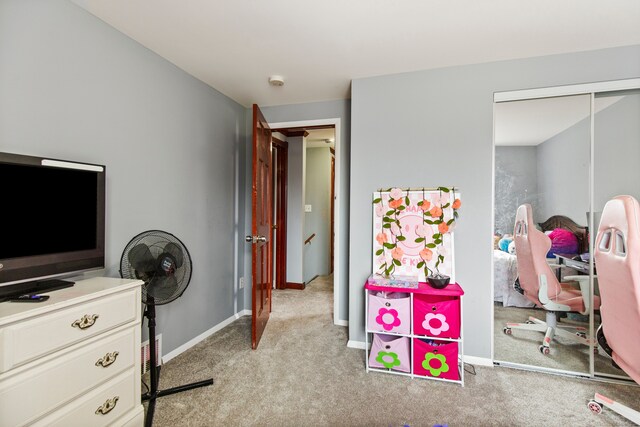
x: 360, y: 345
x: 585, y: 88
x: 341, y: 323
x: 71, y: 165
x: 478, y: 361
x: 493, y: 225
x: 206, y: 334
x: 336, y: 208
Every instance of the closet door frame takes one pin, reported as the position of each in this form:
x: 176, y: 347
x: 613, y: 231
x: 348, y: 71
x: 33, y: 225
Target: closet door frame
x: 591, y: 89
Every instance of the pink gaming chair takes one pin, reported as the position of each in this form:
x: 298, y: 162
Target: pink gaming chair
x: 617, y: 254
x: 541, y: 286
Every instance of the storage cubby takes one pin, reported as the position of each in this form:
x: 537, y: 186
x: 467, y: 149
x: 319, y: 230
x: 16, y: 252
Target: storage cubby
x: 389, y: 311
x: 415, y: 332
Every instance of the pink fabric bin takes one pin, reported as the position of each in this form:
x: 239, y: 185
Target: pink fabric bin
x: 437, y: 361
x: 390, y: 352
x: 436, y: 316
x: 389, y: 314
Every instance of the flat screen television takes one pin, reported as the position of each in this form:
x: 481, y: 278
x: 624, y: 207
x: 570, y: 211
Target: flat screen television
x: 52, y: 217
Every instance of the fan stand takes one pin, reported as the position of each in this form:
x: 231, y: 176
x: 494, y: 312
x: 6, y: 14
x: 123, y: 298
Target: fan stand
x: 153, y: 392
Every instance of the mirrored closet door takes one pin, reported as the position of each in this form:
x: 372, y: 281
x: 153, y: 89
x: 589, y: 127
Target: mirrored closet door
x: 560, y: 154
x: 616, y: 172
x: 542, y: 175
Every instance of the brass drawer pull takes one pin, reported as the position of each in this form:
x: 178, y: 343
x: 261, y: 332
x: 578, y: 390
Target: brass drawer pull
x: 107, y: 406
x: 86, y: 321
x: 107, y: 360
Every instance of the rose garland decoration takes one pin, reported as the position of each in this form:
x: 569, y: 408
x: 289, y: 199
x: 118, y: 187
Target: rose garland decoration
x: 433, y: 213
x: 398, y: 201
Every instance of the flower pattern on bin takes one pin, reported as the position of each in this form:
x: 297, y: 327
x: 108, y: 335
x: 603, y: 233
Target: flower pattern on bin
x: 435, y: 372
x: 383, y: 358
x: 383, y: 316
x: 444, y: 326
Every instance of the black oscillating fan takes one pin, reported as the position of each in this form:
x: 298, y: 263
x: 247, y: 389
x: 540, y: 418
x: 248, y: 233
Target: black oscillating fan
x: 160, y: 260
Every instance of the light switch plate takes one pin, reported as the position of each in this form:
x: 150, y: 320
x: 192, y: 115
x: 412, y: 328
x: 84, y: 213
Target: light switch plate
x: 307, y: 208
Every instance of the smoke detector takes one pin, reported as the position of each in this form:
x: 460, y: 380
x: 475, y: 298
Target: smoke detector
x: 276, y: 81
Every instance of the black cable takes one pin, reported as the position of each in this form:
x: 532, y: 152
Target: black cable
x: 472, y: 372
x: 145, y: 386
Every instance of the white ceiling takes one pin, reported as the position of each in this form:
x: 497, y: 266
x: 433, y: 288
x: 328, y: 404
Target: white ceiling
x: 320, y: 46
x: 534, y: 121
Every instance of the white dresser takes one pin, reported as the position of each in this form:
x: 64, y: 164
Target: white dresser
x: 73, y: 360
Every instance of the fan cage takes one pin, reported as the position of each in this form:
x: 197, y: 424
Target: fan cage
x: 156, y: 241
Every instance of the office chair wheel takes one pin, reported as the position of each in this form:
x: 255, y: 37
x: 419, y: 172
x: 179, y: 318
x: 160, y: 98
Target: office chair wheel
x: 581, y: 334
x: 506, y: 330
x: 544, y: 349
x: 594, y: 407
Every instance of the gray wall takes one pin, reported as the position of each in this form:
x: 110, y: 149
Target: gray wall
x: 74, y: 88
x: 435, y: 128
x: 565, y: 158
x: 318, y: 221
x: 563, y: 174
x: 515, y: 184
x: 296, y: 154
x: 305, y: 112
x: 617, y: 150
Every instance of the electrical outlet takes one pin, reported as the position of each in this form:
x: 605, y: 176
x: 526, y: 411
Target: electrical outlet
x: 241, y: 283
x: 307, y: 208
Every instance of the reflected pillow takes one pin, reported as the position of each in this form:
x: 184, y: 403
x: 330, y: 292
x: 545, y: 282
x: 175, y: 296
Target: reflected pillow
x: 562, y: 242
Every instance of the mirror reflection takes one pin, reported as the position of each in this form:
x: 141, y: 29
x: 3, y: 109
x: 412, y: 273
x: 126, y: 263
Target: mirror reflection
x: 542, y: 282
x: 616, y: 172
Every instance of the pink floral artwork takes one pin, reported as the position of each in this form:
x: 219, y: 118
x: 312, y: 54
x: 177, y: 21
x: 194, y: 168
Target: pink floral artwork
x: 412, y: 231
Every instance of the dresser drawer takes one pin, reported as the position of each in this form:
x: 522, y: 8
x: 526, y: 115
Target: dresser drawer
x: 116, y: 398
x: 34, y: 392
x: 25, y: 341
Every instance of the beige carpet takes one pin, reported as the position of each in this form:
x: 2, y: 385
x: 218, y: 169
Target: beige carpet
x: 522, y: 346
x: 304, y: 375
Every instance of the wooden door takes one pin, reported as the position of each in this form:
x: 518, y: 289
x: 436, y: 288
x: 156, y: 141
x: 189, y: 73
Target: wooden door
x: 261, y: 227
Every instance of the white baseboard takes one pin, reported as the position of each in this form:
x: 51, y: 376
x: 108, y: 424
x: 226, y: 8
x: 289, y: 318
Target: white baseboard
x: 341, y: 323
x: 186, y: 346
x: 360, y: 345
x: 479, y: 361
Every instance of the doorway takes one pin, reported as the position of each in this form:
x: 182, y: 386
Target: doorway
x: 298, y: 132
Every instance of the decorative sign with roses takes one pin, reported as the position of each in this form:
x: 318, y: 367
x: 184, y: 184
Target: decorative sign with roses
x: 412, y: 231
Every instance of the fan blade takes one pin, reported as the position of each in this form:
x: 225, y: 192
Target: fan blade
x: 141, y: 259
x: 162, y: 288
x: 175, y: 252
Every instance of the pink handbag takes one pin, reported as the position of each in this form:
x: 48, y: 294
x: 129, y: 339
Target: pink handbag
x: 438, y: 359
x: 390, y: 352
x: 389, y: 314
x: 436, y: 316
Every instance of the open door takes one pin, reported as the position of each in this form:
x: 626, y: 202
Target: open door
x: 261, y: 227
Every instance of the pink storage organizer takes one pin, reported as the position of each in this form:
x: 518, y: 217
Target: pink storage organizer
x: 437, y: 361
x: 436, y: 316
x: 390, y: 352
x: 389, y: 314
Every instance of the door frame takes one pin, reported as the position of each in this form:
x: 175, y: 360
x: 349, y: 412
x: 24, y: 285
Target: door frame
x: 337, y: 279
x: 280, y: 148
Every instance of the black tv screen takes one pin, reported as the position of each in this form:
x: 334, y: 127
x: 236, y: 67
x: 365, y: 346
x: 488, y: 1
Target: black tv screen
x: 52, y: 217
